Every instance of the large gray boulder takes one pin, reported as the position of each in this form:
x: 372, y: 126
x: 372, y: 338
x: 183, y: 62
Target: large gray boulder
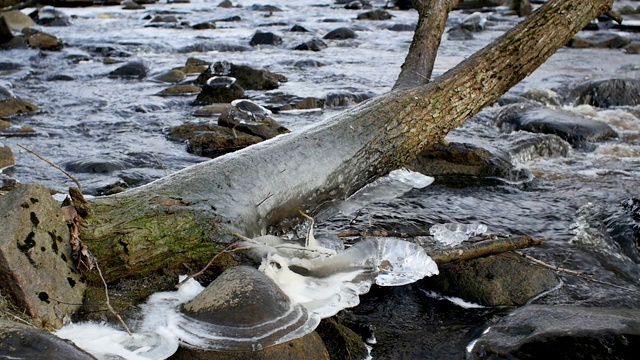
x: 561, y: 332
x: 36, y: 266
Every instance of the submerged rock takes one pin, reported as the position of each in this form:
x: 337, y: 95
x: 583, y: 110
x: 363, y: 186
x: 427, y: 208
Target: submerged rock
x: 180, y: 90
x: 265, y: 38
x: 608, y: 93
x: 504, y: 280
x: 314, y: 44
x: 6, y: 155
x: 563, y: 332
x: 25, y: 342
x: 599, y: 40
x: 341, y: 342
x: 35, y: 257
x: 50, y: 16
x: 219, y: 94
x: 576, y: 129
x: 12, y: 105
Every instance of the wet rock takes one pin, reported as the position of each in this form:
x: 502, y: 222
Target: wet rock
x: 298, y: 28
x: 50, y: 16
x: 308, y: 63
x: 207, y: 25
x: 96, y: 166
x: 543, y: 96
x: 246, y: 77
x: 340, y: 99
x: 358, y: 5
x: 622, y: 224
x: 130, y: 70
x: 314, y: 44
x: 341, y: 33
x: 265, y: 38
x: 402, y: 27
x: 40, y: 40
x: 17, y: 20
x: 211, y: 140
x: 225, y: 4
x: 5, y: 31
x: 213, y: 110
x: 459, y: 33
x: 6, y: 155
x: 477, y: 4
x: 180, y: 90
x: 132, y: 5
x: 599, y: 40
x: 504, y: 280
x: 38, y: 269
x: 219, y: 94
x: 465, y: 164
x: 265, y: 8
x: 529, y: 146
x: 341, y: 342
x: 4, y: 125
x: 266, y: 128
x: 608, y: 93
x: 403, y: 4
x: 578, y: 130
x: 475, y: 22
x: 567, y: 332
x: 11, y: 105
x: 171, y: 76
x: 521, y: 7
x: 378, y: 14
x: 21, y: 341
x: 632, y: 48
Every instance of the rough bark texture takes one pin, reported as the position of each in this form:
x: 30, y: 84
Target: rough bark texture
x: 180, y: 217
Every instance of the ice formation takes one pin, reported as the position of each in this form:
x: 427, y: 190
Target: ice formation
x: 453, y: 234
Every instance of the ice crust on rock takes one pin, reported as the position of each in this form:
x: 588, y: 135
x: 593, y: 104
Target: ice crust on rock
x: 453, y: 234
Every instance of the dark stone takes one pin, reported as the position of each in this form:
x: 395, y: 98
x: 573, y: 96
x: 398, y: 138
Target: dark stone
x: 378, y: 14
x: 576, y: 129
x: 561, y: 332
x: 96, y: 166
x: 341, y: 342
x: 465, y: 164
x: 25, y: 342
x: 234, y: 18
x: 265, y: 38
x: 341, y: 99
x: 459, y: 33
x: 499, y: 280
x: 265, y: 129
x: 531, y: 146
x: 225, y: 4
x: 5, y: 32
x: 211, y: 140
x: 608, y: 93
x: 633, y: 48
x: 212, y: 95
x: 599, y: 40
x: 207, y: 25
x: 265, y: 8
x: 298, y: 28
x: 474, y: 22
x: 49, y: 16
x: 358, y: 5
x: 314, y: 44
x: 340, y: 34
x: 402, y: 27
x: 307, y: 63
x: 403, y: 4
x: 130, y: 70
x: 622, y: 223
x: 246, y: 77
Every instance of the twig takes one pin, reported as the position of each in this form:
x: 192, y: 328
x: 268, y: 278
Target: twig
x: 214, y: 258
x: 580, y: 274
x: 106, y: 294
x: 309, y: 236
x: 51, y: 163
x: 265, y: 199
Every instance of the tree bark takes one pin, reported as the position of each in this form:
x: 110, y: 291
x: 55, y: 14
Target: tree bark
x: 183, y: 218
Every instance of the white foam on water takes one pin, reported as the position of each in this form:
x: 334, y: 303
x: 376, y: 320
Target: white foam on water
x: 454, y: 300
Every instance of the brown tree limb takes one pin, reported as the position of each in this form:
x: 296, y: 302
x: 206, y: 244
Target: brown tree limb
x: 468, y: 251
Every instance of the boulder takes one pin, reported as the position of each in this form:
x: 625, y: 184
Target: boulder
x: 314, y: 44
x: 340, y: 99
x: 20, y: 341
x: 599, y: 40
x: 219, y: 94
x: 465, y: 164
x: 17, y: 20
x: 265, y: 38
x: 43, y: 41
x: 180, y: 90
x: 402, y: 27
x: 608, y: 93
x: 225, y: 4
x: 578, y: 130
x: 499, y: 280
x: 246, y: 77
x: 298, y: 28
x: 377, y: 14
x: 171, y: 76
x: 341, y: 342
x: 36, y: 265
x: 531, y: 146
x: 95, y: 165
x: 6, y: 155
x: 266, y: 128
x: 341, y: 33
x: 5, y: 31
x: 459, y: 33
x: 12, y: 105
x: 211, y: 140
x: 130, y: 70
x: 50, y: 16
x: 561, y: 332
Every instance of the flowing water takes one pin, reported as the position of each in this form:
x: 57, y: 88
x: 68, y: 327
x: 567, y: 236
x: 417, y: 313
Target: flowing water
x: 568, y: 202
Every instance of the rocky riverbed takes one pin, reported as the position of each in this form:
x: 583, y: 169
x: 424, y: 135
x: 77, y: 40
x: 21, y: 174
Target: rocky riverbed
x: 121, y: 95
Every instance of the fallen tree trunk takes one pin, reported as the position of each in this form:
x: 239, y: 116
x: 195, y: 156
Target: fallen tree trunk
x: 184, y: 217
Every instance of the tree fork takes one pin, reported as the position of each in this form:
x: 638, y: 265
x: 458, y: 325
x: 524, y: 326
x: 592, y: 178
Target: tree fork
x: 188, y: 214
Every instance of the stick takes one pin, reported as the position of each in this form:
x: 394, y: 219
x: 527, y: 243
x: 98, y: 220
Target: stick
x: 52, y: 164
x: 482, y: 248
x: 225, y: 250
x: 111, y: 309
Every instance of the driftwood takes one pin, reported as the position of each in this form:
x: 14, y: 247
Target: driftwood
x: 183, y: 219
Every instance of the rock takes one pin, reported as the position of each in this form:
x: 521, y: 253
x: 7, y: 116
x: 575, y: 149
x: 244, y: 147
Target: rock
x: 96, y: 165
x: 465, y: 164
x: 504, y: 280
x: 11, y: 105
x: 543, y: 96
x: 632, y: 48
x: 132, y: 5
x: 307, y: 63
x: 50, y: 16
x: 6, y: 155
x: 264, y: 129
x: 213, y: 110
x: 314, y: 44
x: 459, y: 33
x: 608, y: 93
x: 358, y: 5
x: 402, y: 27
x: 180, y: 90
x: 246, y: 77
x: 4, y: 125
x: 529, y: 146
x: 341, y: 33
x: 21, y: 341
x: 219, y: 94
x: 265, y: 38
x: 341, y: 342
x: 43, y: 41
x: 207, y: 25
x: 403, y: 4
x: 378, y: 14
x: 211, y: 140
x: 171, y: 76
x: 474, y: 22
x: 340, y: 99
x: 225, y: 4
x: 5, y: 31
x: 298, y: 28
x: 576, y: 129
x: 17, y: 20
x: 567, y: 332
x: 521, y: 7
x: 265, y: 8
x: 599, y: 40
x: 35, y: 257
x: 130, y: 70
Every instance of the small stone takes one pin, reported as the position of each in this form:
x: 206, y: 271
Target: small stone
x: 265, y: 38
x: 211, y: 95
x: 341, y: 33
x: 180, y: 90
x: 298, y: 28
x: 225, y: 4
x: 44, y: 42
x: 377, y: 15
x: 132, y: 5
x: 314, y: 44
x: 6, y: 155
x: 171, y: 76
x: 130, y: 70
